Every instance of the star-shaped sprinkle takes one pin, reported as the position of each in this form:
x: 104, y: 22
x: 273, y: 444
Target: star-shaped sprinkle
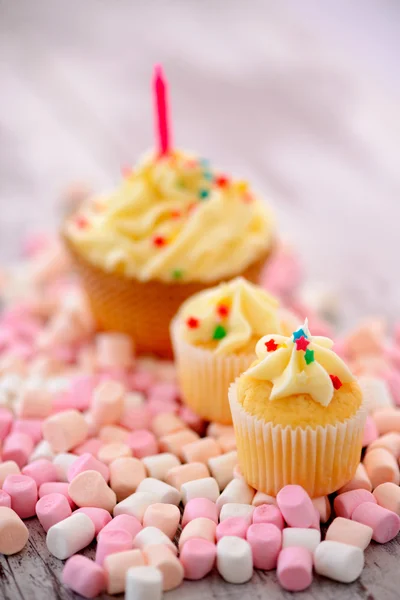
x: 192, y: 322
x: 177, y: 273
x: 219, y: 332
x: 309, y: 356
x: 298, y: 334
x: 81, y: 222
x: 221, y: 181
x: 337, y: 384
x: 242, y: 186
x: 223, y: 310
x: 302, y: 343
x: 271, y: 345
x: 203, y: 194
x: 159, y: 241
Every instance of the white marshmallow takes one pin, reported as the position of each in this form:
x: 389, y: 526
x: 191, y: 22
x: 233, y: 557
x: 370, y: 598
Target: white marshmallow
x: 236, y: 491
x: 70, y: 535
x: 338, y: 561
x: 261, y: 498
x: 233, y: 509
x: 143, y: 583
x: 135, y: 505
x: 221, y: 468
x: 165, y: 493
x: 376, y: 393
x: 151, y: 536
x: 157, y: 466
x: 42, y: 450
x: 301, y: 537
x: 200, y: 488
x: 62, y: 462
x: 234, y: 559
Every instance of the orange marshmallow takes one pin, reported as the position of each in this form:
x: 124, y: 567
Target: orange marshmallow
x: 160, y: 556
x: 13, y: 532
x: 222, y: 468
x: 65, y: 430
x: 389, y: 441
x: 359, y: 481
x: 165, y: 517
x: 90, y: 489
x: 116, y: 567
x: 198, y: 528
x: 113, y: 433
x: 388, y: 495
x: 261, y: 498
x: 114, y: 350
x: 107, y: 403
x: 227, y: 442
x: 166, y: 423
x: 349, y: 532
x: 217, y: 430
x: 35, y: 402
x: 125, y: 475
x: 201, y: 450
x: 387, y: 420
x: 177, y: 476
x: 110, y: 452
x: 174, y: 442
x: 8, y: 467
x: 381, y: 466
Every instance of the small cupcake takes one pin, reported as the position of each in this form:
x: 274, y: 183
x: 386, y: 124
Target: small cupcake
x: 172, y: 228
x: 298, y: 416
x: 214, y: 335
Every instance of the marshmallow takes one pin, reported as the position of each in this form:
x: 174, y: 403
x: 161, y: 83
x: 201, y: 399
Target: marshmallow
x: 181, y: 474
x: 198, y: 528
x: 35, y: 402
x: 65, y: 430
x: 23, y: 493
x: 267, y: 513
x: 83, y: 576
x: 5, y: 499
x: 376, y: 393
x: 87, y: 462
x: 6, y: 421
x: 165, y: 517
x: 17, y: 447
x: 125, y: 522
x: 142, y: 443
x: 384, y: 523
x: 13, y: 532
x: 165, y: 493
x: 32, y: 427
x: 390, y: 442
x: 200, y: 488
x: 107, y: 402
x: 110, y: 452
x: 113, y: 433
x: 116, y: 567
x: 52, y: 509
x: 233, y: 509
x: 57, y: 487
x: 296, y: 506
x: 358, y: 482
x: 387, y: 420
x: 89, y: 489
x: 388, y: 495
x: 216, y: 430
x: 42, y: 450
x: 346, y: 503
x: 126, y: 473
x: 110, y: 542
x: 160, y: 556
x: 197, y: 558
x: 41, y: 471
x: 349, y: 532
x: 62, y: 463
x: 201, y: 450
x: 234, y: 559
x: 266, y: 542
x: 114, y: 350
x: 381, y: 466
x: 144, y: 583
x: 100, y: 517
x: 301, y: 538
x: 237, y: 491
x: 158, y: 465
x: 370, y: 432
x: 8, y: 467
x: 261, y: 498
x: 91, y: 445
x: 135, y: 505
x: 236, y: 526
x: 199, y: 507
x: 338, y: 561
x: 166, y: 423
x: 294, y: 570
x: 174, y: 442
x: 152, y: 536
x: 221, y: 468
x: 70, y: 535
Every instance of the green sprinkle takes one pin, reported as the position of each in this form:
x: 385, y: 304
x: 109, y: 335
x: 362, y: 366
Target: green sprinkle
x: 177, y: 273
x: 309, y: 356
x: 208, y: 175
x: 203, y: 194
x: 219, y: 332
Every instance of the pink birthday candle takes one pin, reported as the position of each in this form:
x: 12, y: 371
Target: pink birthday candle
x: 161, y: 105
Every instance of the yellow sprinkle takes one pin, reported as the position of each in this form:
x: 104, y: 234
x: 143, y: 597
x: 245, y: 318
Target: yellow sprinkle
x: 242, y: 186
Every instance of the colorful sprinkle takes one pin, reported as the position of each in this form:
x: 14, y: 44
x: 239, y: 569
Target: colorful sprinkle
x: 204, y: 162
x: 221, y: 181
x: 309, y: 356
x: 219, y: 332
x: 242, y: 186
x: 192, y: 323
x: 337, y: 384
x: 159, y: 241
x: 223, y: 310
x: 248, y: 197
x: 203, y: 194
x: 208, y: 175
x: 176, y: 214
x: 177, y: 274
x: 81, y: 222
x: 302, y: 343
x: 298, y: 334
x: 271, y: 345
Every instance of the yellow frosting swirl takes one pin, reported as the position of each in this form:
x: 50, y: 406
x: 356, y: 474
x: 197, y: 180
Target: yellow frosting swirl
x: 173, y: 218
x: 300, y: 364
x: 231, y: 314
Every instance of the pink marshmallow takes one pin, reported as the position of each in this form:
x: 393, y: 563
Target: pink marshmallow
x: 17, y: 447
x: 370, y: 432
x: 23, y: 492
x: 200, y: 507
x: 384, y: 523
x: 32, y: 427
x: 294, y: 569
x: 345, y: 504
x: 167, y: 392
x: 5, y: 499
x: 87, y: 462
x: 393, y: 381
x: 136, y: 417
x: 6, y: 420
x: 84, y: 576
x: 236, y: 526
x: 91, y: 446
x: 191, y: 419
x: 41, y: 471
x: 142, y: 443
x: 268, y: 513
x: 65, y: 430
x: 126, y: 522
x: 296, y: 506
x: 141, y: 381
x: 266, y: 542
x: 99, y: 516
x: 158, y: 406
x: 56, y: 488
x: 165, y: 517
x: 52, y: 509
x: 81, y: 390
x: 111, y: 542
x: 198, y: 558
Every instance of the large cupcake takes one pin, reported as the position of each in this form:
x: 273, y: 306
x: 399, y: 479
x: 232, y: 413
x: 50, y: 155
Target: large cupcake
x: 214, y: 335
x: 173, y: 227
x: 298, y: 416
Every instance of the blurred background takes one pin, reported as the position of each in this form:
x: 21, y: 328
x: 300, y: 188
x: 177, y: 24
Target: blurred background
x: 300, y: 97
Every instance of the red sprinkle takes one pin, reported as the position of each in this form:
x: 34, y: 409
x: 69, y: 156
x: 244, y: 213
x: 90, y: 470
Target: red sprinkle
x: 302, y: 343
x: 81, y: 222
x: 175, y: 214
x: 159, y: 241
x: 337, y: 384
x: 223, y: 310
x: 221, y: 181
x: 192, y: 323
x: 271, y: 345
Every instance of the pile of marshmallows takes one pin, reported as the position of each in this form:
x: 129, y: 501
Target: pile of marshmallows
x: 97, y: 444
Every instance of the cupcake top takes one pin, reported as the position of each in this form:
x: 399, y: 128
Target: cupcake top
x: 173, y: 218
x: 299, y: 380
x: 230, y: 317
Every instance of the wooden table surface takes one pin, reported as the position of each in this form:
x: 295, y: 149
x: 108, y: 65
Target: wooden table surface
x: 255, y: 89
